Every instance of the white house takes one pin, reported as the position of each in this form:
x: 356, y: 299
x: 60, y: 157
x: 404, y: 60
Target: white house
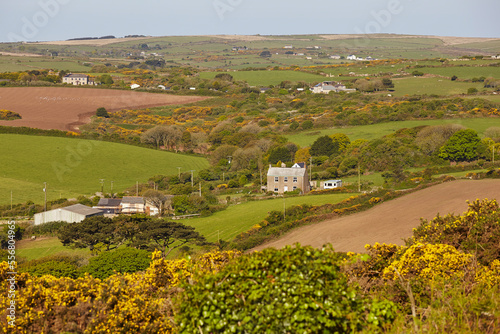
x: 332, y: 184
x: 326, y: 87
x: 70, y: 214
x: 351, y: 57
x: 134, y: 86
x: 132, y: 204
x: 78, y: 79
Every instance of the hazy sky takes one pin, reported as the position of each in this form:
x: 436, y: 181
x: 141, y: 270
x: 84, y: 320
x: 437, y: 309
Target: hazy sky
x: 43, y: 20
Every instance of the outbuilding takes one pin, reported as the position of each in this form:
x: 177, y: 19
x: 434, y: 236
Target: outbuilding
x: 70, y: 214
x: 332, y: 184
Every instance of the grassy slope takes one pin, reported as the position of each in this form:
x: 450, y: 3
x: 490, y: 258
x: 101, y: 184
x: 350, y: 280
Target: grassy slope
x: 265, y: 78
x: 239, y: 218
x: 32, y: 250
x: 439, y: 86
x: 74, y: 166
x: 378, y: 130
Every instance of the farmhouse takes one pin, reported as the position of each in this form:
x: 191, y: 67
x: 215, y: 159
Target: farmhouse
x: 70, y: 214
x: 332, y: 184
x: 326, y: 87
x: 78, y: 79
x: 132, y: 204
x: 283, y: 179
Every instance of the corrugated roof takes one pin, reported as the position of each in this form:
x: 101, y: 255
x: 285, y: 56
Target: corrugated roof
x: 82, y: 209
x: 132, y: 200
x: 280, y: 171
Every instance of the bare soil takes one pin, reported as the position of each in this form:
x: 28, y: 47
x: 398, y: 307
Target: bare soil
x: 392, y: 221
x: 65, y: 108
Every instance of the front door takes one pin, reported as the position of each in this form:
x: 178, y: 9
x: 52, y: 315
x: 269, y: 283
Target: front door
x: 285, y: 189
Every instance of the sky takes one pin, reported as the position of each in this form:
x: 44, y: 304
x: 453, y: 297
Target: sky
x: 50, y: 20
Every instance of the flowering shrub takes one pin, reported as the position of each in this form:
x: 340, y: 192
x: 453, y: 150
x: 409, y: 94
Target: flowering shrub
x: 7, y: 115
x: 427, y: 261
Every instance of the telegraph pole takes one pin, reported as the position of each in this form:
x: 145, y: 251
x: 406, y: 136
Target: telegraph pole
x: 102, y: 187
x: 192, y: 180
x: 45, y: 193
x: 179, y: 172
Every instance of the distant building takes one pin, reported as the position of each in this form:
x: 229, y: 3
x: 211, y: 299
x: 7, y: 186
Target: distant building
x: 132, y: 205
x: 283, y: 179
x: 134, y: 86
x: 109, y: 206
x: 335, y: 57
x: 332, y: 184
x: 351, y: 57
x: 70, y: 214
x: 326, y: 87
x: 288, y: 47
x: 78, y: 79
x: 239, y: 48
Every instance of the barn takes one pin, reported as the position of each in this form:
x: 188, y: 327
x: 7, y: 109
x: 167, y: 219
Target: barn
x: 70, y: 214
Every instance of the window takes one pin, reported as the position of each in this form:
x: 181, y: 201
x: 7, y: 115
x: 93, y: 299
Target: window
x: 294, y: 187
x: 286, y: 179
x: 276, y: 190
x: 294, y: 179
x: 276, y: 179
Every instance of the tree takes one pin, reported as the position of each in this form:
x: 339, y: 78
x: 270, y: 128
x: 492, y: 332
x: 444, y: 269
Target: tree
x: 279, y: 153
x: 88, y: 233
x: 387, y: 83
x: 157, y: 199
x: 324, y: 146
x: 168, y: 235
x: 302, y: 155
x: 431, y: 138
x: 342, y: 141
x: 106, y: 79
x: 462, y: 146
x: 186, y: 140
x: 265, y: 54
x: 102, y: 112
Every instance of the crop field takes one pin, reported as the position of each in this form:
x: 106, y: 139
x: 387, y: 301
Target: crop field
x: 369, y: 132
x: 266, y: 78
x: 68, y: 108
x: 236, y: 219
x: 73, y: 167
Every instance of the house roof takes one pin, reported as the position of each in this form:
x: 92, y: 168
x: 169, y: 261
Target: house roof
x: 82, y: 209
x: 132, y: 200
x: 76, y: 76
x: 280, y: 171
x: 109, y: 202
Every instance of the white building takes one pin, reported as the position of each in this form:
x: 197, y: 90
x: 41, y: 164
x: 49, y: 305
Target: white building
x: 134, y: 86
x: 326, y: 87
x: 132, y: 204
x: 332, y: 184
x: 70, y: 214
x: 78, y: 79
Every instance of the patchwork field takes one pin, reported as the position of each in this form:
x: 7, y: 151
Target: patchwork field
x: 392, y: 221
x: 73, y: 167
x: 266, y: 78
x: 67, y: 108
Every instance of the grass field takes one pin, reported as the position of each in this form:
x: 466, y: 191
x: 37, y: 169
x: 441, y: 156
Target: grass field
x: 74, y: 167
x: 266, y: 78
x: 369, y: 132
x: 464, y: 72
x: 12, y: 64
x: 438, y: 86
x: 36, y: 249
x: 229, y: 223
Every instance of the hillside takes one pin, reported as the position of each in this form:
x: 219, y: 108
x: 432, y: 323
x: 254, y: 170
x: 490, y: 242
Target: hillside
x: 393, y: 221
x: 73, y: 167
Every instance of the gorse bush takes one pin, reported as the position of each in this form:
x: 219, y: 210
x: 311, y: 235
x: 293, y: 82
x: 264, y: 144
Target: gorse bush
x: 123, y: 260
x: 296, y: 289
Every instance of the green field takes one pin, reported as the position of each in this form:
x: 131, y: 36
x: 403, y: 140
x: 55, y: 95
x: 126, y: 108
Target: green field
x: 266, y: 78
x: 437, y: 86
x: 239, y: 218
x: 369, y: 132
x: 13, y: 64
x: 464, y: 72
x: 73, y: 167
x: 36, y: 249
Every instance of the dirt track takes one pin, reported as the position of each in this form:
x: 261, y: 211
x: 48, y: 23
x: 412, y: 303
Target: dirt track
x: 66, y: 108
x: 392, y: 221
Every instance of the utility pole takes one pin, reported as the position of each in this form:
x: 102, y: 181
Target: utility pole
x: 136, y: 188
x: 260, y: 171
x: 179, y: 172
x: 200, y: 189
x: 112, y: 189
x: 45, y: 193
x: 11, y: 199
x: 310, y: 171
x: 192, y: 180
x: 102, y: 187
x: 223, y: 176
x: 359, y: 179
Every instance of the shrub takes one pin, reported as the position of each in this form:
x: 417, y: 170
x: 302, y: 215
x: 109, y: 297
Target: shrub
x: 56, y: 265
x: 296, y: 289
x: 126, y: 260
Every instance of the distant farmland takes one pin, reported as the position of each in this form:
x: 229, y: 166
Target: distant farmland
x: 266, y: 78
x: 73, y: 167
x: 65, y: 108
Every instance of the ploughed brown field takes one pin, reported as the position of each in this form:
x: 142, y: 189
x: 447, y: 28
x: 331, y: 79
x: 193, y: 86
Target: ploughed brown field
x: 66, y: 108
x: 392, y: 221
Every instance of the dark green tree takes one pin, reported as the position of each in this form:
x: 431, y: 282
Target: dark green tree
x: 463, y: 145
x: 324, y: 146
x: 279, y: 153
x: 102, y: 112
x: 88, y: 233
x: 166, y: 235
x: 106, y: 79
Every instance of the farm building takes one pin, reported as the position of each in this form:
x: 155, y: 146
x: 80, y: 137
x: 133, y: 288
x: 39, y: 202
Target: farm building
x: 283, y: 179
x: 326, y: 87
x: 132, y: 204
x: 332, y: 184
x: 70, y: 214
x: 109, y: 206
x: 78, y: 79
